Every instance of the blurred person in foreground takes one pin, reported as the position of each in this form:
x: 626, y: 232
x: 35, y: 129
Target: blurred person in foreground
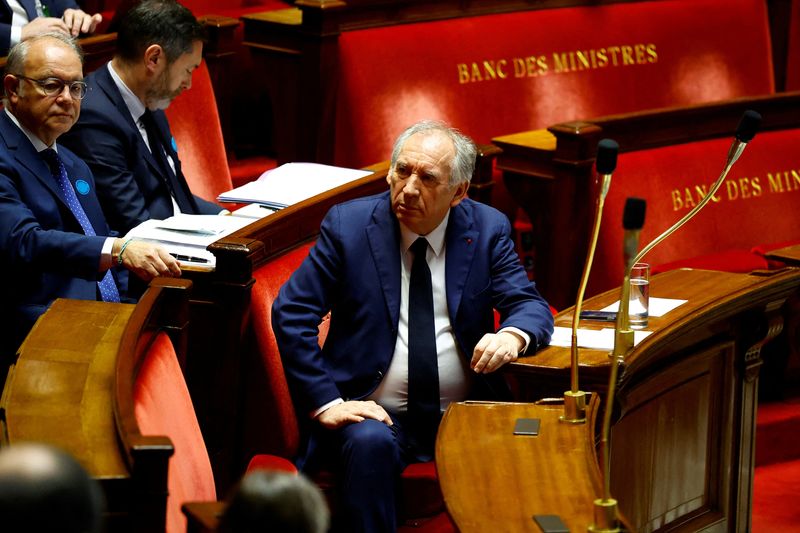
x: 43, y: 489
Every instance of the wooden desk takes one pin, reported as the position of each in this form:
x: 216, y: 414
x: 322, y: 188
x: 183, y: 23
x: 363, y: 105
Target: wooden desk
x: 684, y: 416
x: 61, y: 391
x: 789, y: 255
x: 493, y: 480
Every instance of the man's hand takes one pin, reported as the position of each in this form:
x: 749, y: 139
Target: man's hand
x: 43, y: 25
x: 352, y: 412
x: 494, y: 350
x: 148, y: 260
x: 77, y: 21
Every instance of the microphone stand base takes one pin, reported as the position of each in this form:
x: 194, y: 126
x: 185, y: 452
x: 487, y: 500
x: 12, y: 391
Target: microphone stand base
x: 574, y: 408
x: 605, y: 516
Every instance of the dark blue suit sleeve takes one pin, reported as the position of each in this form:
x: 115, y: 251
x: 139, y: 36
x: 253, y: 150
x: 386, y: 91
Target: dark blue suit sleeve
x: 514, y: 296
x: 301, y: 304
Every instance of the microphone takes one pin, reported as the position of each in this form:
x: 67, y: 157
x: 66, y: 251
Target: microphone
x: 632, y: 222
x: 605, y: 508
x: 745, y: 132
x: 575, y: 399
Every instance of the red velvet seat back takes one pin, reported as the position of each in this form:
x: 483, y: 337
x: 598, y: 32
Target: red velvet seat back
x: 757, y: 204
x: 271, y: 421
x: 493, y: 75
x: 163, y: 407
x: 195, y: 126
x: 234, y: 8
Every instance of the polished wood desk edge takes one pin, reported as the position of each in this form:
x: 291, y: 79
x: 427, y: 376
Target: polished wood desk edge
x: 584, y: 459
x: 750, y: 291
x: 789, y: 255
x: 575, y: 140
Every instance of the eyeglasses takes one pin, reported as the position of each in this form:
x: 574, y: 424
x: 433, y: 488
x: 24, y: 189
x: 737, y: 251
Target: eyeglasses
x: 55, y: 86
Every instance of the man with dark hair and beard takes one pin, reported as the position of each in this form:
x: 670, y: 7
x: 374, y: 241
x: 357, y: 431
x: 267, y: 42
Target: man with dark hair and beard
x: 123, y: 133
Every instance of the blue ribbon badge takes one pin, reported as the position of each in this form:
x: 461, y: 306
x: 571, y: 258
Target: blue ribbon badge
x: 82, y: 186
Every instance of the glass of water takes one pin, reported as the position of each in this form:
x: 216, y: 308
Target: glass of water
x: 639, y: 305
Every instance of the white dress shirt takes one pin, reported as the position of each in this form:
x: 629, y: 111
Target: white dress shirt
x: 455, y: 375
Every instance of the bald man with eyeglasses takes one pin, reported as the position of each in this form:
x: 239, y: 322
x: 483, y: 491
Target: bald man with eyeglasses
x: 54, y: 239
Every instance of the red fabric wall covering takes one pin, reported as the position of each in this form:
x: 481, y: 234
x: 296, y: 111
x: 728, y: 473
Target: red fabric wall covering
x: 757, y: 203
x: 678, y: 52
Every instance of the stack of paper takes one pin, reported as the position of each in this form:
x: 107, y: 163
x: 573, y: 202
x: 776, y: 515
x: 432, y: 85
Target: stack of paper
x: 292, y: 183
x: 187, y: 236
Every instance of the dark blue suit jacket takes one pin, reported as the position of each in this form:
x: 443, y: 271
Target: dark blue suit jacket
x: 354, y: 271
x: 44, y: 253
x: 56, y: 7
x: 131, y: 185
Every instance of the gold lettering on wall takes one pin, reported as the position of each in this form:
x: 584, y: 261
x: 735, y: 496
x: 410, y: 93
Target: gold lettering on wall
x: 738, y: 189
x: 560, y: 62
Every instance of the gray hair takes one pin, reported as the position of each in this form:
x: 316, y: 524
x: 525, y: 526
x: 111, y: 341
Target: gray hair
x: 463, y: 164
x: 15, y: 63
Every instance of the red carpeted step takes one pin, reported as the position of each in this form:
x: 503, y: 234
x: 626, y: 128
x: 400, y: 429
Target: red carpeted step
x: 778, y: 432
x: 775, y: 489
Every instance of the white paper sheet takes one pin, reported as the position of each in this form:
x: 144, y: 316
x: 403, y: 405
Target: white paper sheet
x: 658, y: 306
x: 292, y: 183
x: 602, y: 339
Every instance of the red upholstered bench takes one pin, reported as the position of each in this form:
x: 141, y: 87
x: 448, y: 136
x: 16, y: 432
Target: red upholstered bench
x: 271, y: 421
x: 668, y: 157
x: 495, y: 69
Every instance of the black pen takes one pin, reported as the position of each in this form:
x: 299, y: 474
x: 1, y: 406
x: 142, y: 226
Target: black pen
x: 604, y: 316
x: 189, y: 258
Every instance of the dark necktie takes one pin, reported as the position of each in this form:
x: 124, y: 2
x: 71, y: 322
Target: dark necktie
x: 159, y: 154
x: 107, y: 285
x: 423, y: 367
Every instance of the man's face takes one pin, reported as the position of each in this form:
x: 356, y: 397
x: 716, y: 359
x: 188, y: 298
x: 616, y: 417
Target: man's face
x: 174, y: 78
x: 419, y: 182
x: 47, y: 117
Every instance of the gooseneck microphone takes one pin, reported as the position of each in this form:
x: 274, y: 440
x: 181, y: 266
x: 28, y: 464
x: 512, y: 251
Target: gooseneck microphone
x: 605, y: 508
x: 575, y: 399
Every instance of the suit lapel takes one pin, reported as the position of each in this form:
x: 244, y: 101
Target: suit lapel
x: 27, y: 156
x: 30, y: 8
x: 461, y: 240
x: 106, y: 83
x: 383, y: 236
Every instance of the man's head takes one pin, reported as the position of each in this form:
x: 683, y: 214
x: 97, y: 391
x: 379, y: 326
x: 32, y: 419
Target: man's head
x: 44, y: 84
x: 45, y: 489
x: 275, y: 501
x: 164, y: 40
x: 432, y: 165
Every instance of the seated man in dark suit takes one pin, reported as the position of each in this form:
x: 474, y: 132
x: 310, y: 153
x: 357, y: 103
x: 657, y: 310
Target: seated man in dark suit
x: 54, y: 240
x: 411, y: 278
x: 22, y: 19
x: 123, y: 134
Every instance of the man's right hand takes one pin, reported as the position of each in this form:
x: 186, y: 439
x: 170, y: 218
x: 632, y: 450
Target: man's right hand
x: 352, y: 412
x: 148, y: 260
x: 43, y: 25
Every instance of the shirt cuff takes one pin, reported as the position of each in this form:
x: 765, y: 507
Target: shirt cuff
x: 16, y: 36
x: 318, y: 411
x: 106, y: 261
x: 525, y: 336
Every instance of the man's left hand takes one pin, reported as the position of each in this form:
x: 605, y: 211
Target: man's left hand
x: 494, y: 350
x: 78, y: 21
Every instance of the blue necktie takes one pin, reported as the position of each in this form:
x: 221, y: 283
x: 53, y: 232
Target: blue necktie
x: 423, y: 364
x: 107, y: 286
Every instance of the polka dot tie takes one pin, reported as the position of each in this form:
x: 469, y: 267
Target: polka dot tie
x: 107, y: 285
